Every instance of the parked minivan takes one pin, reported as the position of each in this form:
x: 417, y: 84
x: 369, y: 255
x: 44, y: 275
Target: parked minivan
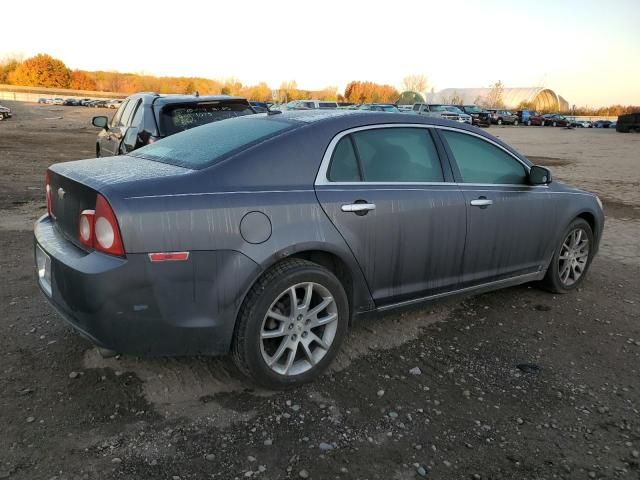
x: 145, y: 118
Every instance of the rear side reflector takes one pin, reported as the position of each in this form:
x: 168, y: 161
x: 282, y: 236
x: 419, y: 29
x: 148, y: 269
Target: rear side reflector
x: 169, y: 256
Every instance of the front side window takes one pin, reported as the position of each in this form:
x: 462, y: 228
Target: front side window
x: 397, y: 155
x: 482, y: 162
x: 116, y: 118
x: 126, y: 113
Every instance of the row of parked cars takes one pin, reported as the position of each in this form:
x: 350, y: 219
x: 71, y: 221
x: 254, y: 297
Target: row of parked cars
x: 82, y: 102
x: 143, y: 118
x: 471, y: 114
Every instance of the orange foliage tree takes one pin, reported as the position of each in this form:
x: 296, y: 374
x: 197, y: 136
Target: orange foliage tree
x: 41, y: 71
x: 370, y: 92
x: 81, y: 81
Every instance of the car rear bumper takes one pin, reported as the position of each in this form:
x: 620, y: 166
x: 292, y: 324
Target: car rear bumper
x: 131, y: 305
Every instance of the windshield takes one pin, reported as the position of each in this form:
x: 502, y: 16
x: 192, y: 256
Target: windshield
x: 451, y: 108
x: 177, y: 118
x: 390, y: 108
x: 473, y: 109
x: 437, y: 108
x: 206, y: 145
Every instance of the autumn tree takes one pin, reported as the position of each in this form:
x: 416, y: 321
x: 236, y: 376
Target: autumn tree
x: 41, y: 71
x: 81, y: 81
x: 415, y: 83
x: 7, y: 66
x: 259, y: 93
x: 494, y: 97
x: 370, y: 92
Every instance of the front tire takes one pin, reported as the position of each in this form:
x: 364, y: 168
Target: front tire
x: 499, y: 122
x: 571, y: 259
x: 515, y: 123
x: 291, y: 324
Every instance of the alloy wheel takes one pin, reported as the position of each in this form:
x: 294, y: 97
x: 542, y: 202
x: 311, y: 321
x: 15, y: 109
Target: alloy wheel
x: 298, y: 329
x: 573, y: 258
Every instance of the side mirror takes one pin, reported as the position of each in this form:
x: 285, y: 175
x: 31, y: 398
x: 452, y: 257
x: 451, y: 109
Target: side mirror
x: 539, y: 175
x: 100, y: 122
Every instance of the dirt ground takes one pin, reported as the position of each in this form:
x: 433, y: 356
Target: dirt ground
x: 515, y: 384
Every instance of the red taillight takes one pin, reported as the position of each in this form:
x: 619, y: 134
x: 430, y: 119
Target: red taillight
x: 86, y: 227
x: 47, y: 188
x: 106, y: 230
x: 99, y: 229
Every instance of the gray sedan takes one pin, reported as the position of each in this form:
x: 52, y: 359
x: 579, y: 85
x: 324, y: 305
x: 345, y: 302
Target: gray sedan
x: 267, y: 235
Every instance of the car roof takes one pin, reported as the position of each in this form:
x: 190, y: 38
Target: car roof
x: 166, y: 99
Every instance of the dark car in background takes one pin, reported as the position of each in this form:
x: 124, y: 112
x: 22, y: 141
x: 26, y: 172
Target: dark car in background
x: 500, y: 116
x: 147, y: 117
x: 629, y: 122
x: 602, y: 124
x: 266, y: 235
x: 550, y: 119
x: 479, y: 116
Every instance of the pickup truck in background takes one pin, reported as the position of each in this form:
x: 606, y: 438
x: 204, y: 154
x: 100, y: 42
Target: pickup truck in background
x: 433, y: 110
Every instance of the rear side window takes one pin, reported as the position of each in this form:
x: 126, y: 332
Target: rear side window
x: 398, y: 155
x: 344, y: 164
x: 206, y: 145
x: 482, y: 162
x: 177, y: 118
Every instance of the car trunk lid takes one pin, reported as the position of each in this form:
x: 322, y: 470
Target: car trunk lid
x: 74, y: 186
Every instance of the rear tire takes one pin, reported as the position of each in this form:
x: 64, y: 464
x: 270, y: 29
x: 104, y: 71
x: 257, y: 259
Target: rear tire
x: 571, y: 259
x: 279, y: 341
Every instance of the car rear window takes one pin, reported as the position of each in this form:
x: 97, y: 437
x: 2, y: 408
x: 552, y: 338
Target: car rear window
x: 208, y: 144
x: 177, y: 118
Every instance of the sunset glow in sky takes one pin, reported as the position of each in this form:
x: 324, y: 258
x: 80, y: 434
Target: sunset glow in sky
x: 587, y: 51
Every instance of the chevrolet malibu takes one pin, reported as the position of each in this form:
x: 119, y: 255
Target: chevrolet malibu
x: 267, y: 235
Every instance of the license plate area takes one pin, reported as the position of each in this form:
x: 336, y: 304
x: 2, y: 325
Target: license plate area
x: 43, y: 263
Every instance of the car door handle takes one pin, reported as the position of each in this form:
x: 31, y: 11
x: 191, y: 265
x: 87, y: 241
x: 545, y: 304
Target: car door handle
x: 481, y: 202
x: 358, y: 207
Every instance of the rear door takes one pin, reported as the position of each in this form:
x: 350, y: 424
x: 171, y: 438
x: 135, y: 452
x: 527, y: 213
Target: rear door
x: 509, y: 222
x: 390, y: 196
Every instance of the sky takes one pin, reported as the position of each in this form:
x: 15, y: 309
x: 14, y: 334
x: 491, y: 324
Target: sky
x: 587, y: 51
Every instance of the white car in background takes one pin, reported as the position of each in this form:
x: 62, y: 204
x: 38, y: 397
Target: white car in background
x: 312, y: 105
x: 462, y: 117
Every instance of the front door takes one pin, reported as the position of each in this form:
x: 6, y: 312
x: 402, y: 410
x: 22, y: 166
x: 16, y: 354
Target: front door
x: 509, y: 224
x: 385, y: 191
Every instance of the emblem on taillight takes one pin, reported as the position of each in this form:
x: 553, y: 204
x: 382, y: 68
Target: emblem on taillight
x: 61, y: 193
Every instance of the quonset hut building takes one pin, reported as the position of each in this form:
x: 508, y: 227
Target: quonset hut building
x: 539, y: 98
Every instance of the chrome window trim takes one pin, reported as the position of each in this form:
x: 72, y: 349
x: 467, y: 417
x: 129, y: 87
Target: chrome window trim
x: 323, y: 171
x: 322, y: 175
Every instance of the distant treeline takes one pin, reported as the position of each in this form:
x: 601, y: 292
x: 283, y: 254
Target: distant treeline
x: 43, y: 70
